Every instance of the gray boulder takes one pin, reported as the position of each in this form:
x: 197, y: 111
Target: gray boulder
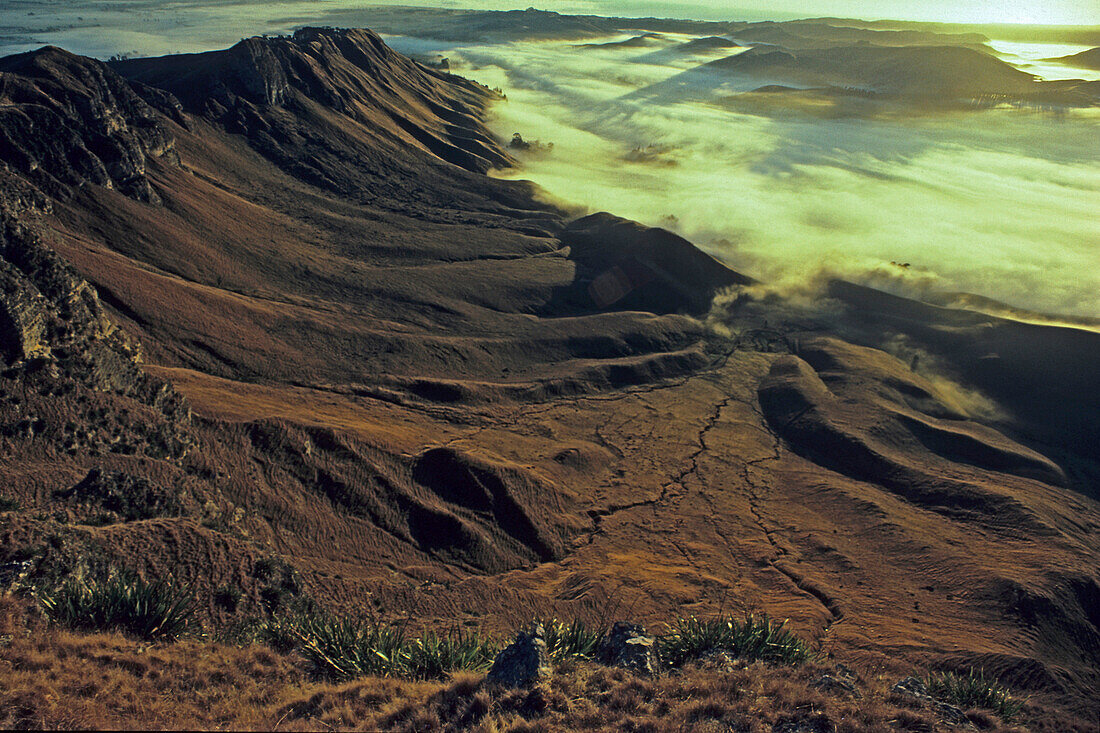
x: 912, y: 687
x: 523, y: 662
x: 951, y: 714
x: 916, y: 689
x: 628, y: 646
x: 720, y: 660
x: 836, y: 685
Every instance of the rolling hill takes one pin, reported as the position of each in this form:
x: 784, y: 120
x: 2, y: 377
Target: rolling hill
x: 264, y: 302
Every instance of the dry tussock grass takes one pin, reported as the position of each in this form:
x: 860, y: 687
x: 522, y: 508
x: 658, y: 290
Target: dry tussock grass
x: 55, y: 679
x: 583, y: 696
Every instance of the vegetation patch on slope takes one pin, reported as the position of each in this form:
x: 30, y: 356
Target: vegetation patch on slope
x: 308, y: 669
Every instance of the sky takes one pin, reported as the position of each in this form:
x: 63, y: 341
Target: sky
x: 149, y: 27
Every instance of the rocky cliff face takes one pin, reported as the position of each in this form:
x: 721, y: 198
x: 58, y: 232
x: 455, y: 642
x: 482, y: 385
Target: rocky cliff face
x: 66, y: 121
x: 52, y: 319
x: 350, y: 72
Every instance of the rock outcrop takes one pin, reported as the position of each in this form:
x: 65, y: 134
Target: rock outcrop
x: 350, y: 72
x: 66, y: 121
x: 836, y: 685
x: 52, y: 318
x: 124, y: 495
x: 523, y: 662
x: 628, y: 646
x: 22, y: 317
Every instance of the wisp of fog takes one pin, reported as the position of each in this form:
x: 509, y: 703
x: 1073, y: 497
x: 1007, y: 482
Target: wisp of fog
x: 998, y: 202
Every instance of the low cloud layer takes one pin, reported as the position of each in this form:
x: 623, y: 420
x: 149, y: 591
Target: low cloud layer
x: 998, y: 202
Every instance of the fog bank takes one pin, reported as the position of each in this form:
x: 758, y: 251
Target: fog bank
x: 999, y: 202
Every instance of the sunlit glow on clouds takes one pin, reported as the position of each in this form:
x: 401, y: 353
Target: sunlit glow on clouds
x: 1001, y: 202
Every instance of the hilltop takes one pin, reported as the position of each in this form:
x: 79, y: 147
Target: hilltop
x: 1089, y: 59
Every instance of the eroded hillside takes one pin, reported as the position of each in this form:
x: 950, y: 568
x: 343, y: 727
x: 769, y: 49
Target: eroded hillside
x: 426, y: 391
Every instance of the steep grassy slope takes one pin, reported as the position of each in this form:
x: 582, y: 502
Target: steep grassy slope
x: 400, y: 382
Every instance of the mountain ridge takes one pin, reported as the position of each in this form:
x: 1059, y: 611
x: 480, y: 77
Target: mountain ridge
x: 428, y: 391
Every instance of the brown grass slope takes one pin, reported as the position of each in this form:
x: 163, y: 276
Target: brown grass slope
x: 398, y: 383
x: 55, y: 679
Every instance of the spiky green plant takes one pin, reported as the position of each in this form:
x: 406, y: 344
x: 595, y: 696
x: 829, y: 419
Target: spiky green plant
x: 754, y: 638
x: 343, y: 648
x: 118, y: 601
x: 433, y: 656
x: 566, y: 640
x: 973, y: 690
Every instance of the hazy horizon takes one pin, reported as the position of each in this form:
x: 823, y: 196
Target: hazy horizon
x: 1051, y: 12
x: 153, y: 27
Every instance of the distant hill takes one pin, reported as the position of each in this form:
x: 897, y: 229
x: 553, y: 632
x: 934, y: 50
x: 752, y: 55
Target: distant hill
x: 945, y: 71
x: 704, y: 47
x: 862, y: 77
x: 1085, y: 60
x: 707, y: 43
x: 494, y: 25
x: 646, y: 40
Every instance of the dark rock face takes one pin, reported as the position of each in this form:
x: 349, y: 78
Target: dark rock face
x: 623, y: 265
x: 523, y: 662
x: 350, y: 72
x: 49, y: 314
x: 628, y: 646
x: 67, y: 120
x: 22, y: 316
x: 214, y: 83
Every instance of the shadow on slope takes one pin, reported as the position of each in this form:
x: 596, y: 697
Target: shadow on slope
x: 1040, y: 376
x: 862, y: 413
x: 623, y: 265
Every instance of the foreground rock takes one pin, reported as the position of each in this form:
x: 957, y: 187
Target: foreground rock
x: 837, y: 685
x: 628, y: 646
x: 523, y: 662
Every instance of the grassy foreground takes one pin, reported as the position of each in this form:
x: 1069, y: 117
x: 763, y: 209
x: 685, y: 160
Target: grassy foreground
x: 53, y: 677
